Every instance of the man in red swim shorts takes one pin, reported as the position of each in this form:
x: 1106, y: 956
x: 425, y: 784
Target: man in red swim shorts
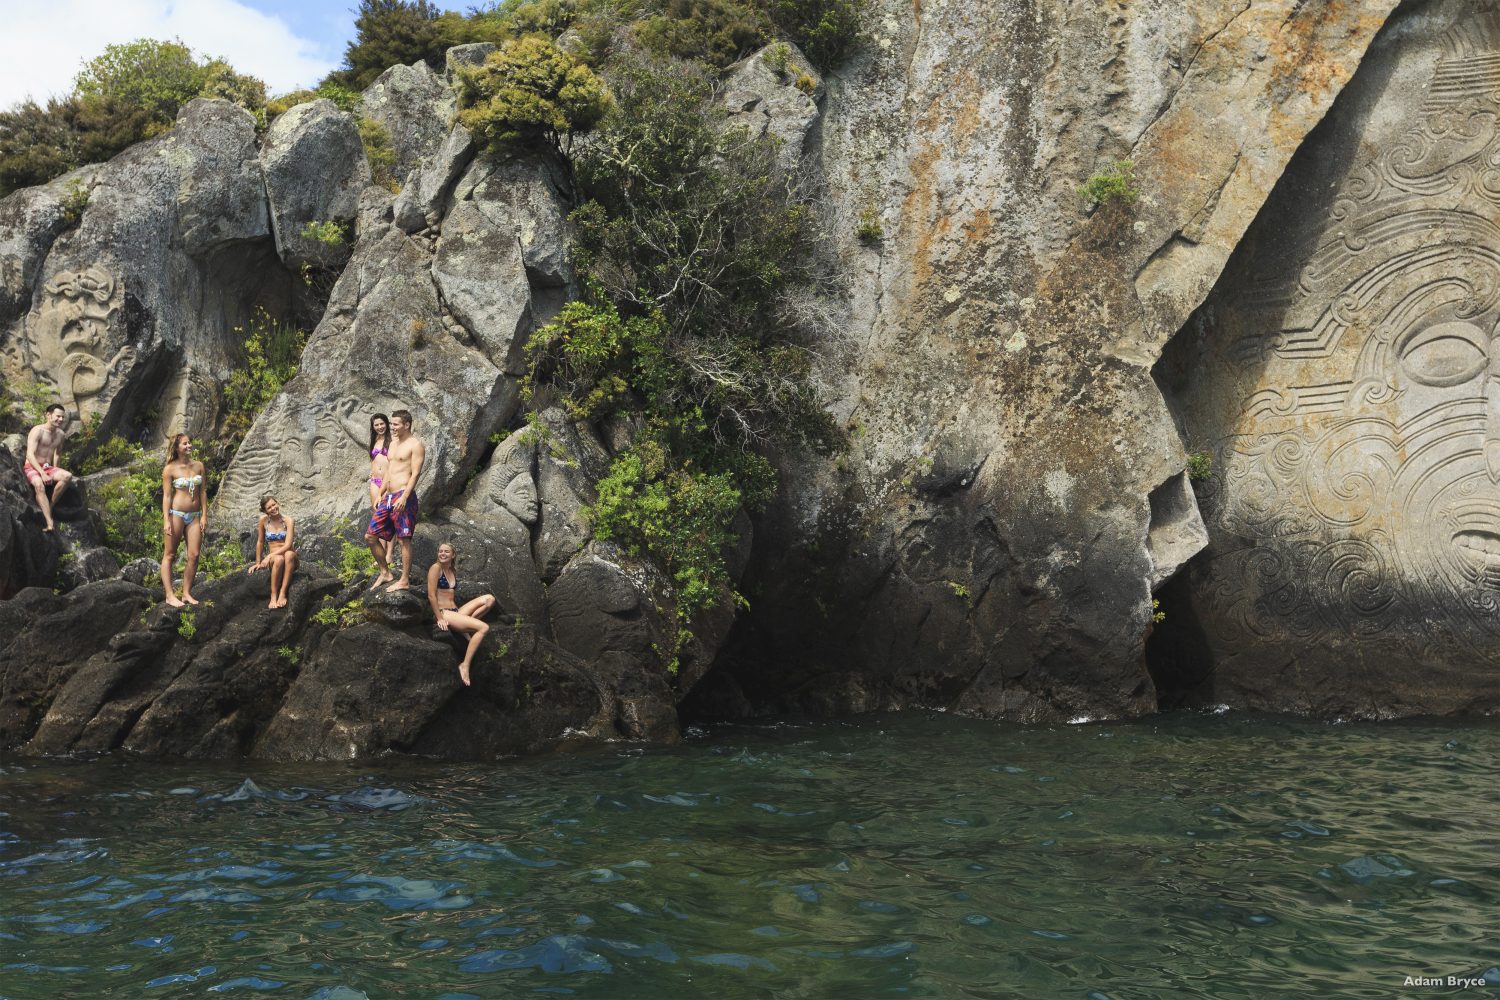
x: 42, y: 446
x: 395, y: 515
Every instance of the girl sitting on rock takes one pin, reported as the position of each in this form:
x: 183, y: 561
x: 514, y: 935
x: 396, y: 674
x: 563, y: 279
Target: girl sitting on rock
x: 184, y: 514
x: 442, y: 590
x: 273, y: 537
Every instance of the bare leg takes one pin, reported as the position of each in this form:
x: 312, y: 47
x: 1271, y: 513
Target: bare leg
x: 62, y: 481
x: 478, y: 607
x: 404, y: 582
x: 44, y: 503
x: 289, y: 559
x: 377, y: 549
x: 477, y: 631
x: 169, y: 559
x: 194, y: 543
x: 277, y: 566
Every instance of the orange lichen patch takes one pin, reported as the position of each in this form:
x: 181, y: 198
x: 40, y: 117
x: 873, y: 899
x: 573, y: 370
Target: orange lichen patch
x: 920, y: 203
x: 977, y: 229
x: 1310, y: 61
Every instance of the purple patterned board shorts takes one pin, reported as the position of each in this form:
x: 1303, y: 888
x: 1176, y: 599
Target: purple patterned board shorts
x: 388, y: 522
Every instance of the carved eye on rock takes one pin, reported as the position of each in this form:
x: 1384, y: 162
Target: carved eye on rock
x: 1445, y: 354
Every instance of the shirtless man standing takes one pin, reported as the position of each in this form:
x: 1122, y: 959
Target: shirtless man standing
x: 42, y: 446
x: 396, y: 514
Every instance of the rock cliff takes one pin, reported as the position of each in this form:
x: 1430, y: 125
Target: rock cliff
x: 1023, y: 375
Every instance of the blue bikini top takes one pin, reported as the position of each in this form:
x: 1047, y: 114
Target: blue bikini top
x: 443, y: 583
x: 276, y: 536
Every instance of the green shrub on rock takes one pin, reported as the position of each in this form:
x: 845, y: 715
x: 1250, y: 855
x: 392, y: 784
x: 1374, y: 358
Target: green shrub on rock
x: 530, y: 89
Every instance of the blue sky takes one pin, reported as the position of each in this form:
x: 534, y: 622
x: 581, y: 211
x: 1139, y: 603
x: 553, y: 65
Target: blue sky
x: 288, y: 44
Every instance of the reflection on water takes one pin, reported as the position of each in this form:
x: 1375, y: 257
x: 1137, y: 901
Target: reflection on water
x: 887, y: 857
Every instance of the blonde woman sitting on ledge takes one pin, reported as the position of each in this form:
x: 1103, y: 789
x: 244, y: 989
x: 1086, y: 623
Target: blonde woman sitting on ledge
x: 442, y: 590
x: 274, y: 535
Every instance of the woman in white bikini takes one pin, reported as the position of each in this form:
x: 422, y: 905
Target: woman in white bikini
x: 274, y: 536
x: 184, y: 512
x: 442, y: 590
x: 380, y: 449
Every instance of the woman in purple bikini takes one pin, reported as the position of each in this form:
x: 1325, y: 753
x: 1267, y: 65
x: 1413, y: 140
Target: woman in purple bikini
x: 380, y: 449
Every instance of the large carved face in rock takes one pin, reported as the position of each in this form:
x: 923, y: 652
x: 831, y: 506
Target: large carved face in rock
x: 310, y: 454
x: 1368, y: 479
x: 73, y: 340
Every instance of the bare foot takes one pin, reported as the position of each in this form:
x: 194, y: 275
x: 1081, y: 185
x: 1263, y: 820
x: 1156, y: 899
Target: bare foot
x: 384, y: 577
x: 281, y: 602
x: 463, y: 672
x: 173, y: 602
x: 402, y: 584
x: 272, y: 603
x: 48, y: 528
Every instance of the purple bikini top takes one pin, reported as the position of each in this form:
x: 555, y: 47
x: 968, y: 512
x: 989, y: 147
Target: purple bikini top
x: 378, y: 451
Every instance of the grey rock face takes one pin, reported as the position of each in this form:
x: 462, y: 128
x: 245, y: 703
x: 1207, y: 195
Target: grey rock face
x: 29, y: 557
x: 134, y: 309
x: 994, y: 540
x: 382, y: 346
x: 525, y: 197
x: 315, y: 169
x: 1341, y: 374
x: 472, y: 54
x: 774, y: 93
x: 479, y: 270
x: 421, y: 200
x: 415, y: 106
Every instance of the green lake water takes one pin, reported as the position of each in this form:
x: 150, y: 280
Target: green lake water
x: 902, y: 856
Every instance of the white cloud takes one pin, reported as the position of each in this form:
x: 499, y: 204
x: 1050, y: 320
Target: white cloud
x: 47, y: 42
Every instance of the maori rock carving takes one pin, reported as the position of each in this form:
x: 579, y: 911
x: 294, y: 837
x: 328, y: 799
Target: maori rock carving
x: 73, y: 338
x: 1360, y: 491
x: 311, y: 454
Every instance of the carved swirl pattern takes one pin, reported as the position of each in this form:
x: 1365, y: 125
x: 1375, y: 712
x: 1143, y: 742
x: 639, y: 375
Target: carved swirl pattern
x: 1359, y: 493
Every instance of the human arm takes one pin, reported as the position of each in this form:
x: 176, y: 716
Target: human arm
x: 291, y: 528
x: 432, y: 575
x: 260, y: 538
x: 32, y: 440
x: 418, y: 455
x: 166, y: 500
x: 203, y: 471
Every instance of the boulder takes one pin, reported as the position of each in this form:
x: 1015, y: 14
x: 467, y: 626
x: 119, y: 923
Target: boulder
x: 420, y: 203
x: 615, y: 613
x: 414, y: 105
x: 1341, y: 378
x: 315, y: 169
x: 526, y: 196
x: 29, y: 557
x: 472, y: 54
x: 774, y: 92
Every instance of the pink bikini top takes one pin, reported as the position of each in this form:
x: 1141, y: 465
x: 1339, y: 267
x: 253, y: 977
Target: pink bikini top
x: 378, y: 451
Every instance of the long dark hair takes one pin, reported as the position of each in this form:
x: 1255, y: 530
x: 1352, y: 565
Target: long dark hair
x: 172, y: 447
x: 386, y: 444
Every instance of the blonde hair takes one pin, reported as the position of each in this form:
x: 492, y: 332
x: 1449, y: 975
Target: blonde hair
x: 451, y: 548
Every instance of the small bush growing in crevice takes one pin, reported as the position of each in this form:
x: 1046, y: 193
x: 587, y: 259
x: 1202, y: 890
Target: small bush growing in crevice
x: 1115, y: 185
x: 1200, y: 465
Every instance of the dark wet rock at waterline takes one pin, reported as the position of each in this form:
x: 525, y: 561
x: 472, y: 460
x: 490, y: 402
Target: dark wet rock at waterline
x: 106, y: 667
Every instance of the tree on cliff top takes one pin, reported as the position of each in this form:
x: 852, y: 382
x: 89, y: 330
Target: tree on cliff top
x: 530, y: 89
x: 129, y: 92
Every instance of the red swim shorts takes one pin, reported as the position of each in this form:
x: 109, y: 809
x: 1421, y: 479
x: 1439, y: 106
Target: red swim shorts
x: 48, y: 473
x: 388, y: 522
